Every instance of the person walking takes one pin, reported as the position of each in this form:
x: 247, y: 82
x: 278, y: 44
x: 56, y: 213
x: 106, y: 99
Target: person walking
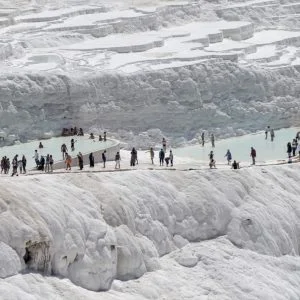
x: 80, y: 160
x: 152, y: 155
x: 202, y: 139
x: 15, y: 166
x: 228, y: 156
x: 68, y: 161
x: 104, y: 158
x: 24, y: 162
x: 161, y: 157
x: 92, y: 160
x: 253, y: 155
x: 36, y: 158
x: 117, y: 160
x: 212, y: 138
x: 51, y: 161
x: 47, y: 165
x: 272, y: 134
x: 289, y: 149
x: 294, y: 146
x: 171, y: 156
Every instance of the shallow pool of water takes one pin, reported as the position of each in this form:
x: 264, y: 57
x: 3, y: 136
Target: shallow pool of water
x: 240, y: 147
x: 53, y: 146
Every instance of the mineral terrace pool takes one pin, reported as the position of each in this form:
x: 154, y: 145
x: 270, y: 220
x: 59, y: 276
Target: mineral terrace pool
x: 240, y: 147
x: 53, y: 146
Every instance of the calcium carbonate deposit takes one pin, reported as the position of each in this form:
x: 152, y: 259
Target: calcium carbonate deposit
x: 143, y: 70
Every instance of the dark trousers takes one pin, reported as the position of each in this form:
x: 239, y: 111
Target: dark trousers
x: 161, y: 161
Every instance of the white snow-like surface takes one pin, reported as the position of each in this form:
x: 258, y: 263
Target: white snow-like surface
x: 140, y: 64
x: 142, y: 70
x: 222, y: 234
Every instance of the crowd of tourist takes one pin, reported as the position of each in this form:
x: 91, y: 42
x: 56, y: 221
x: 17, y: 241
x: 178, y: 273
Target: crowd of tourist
x: 45, y: 162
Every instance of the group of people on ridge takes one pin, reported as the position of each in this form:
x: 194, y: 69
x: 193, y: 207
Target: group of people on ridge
x: 104, y: 138
x: 212, y: 139
x: 293, y: 148
x: 43, y: 163
x: 16, y: 164
x: 72, y: 131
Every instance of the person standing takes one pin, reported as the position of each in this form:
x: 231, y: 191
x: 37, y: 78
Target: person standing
x: 68, y: 161
x: 36, y: 158
x: 92, y: 160
x: 171, y: 158
x: 42, y: 163
x: 7, y: 165
x: 51, y: 161
x: 133, y: 157
x: 298, y: 150
x: 80, y: 160
x: 253, y: 155
x: 161, y: 157
x: 202, y: 138
x: 212, y: 138
x: 272, y: 134
x: 64, y: 150
x: 117, y: 160
x: 104, y: 158
x: 266, y: 132
x: 228, y: 156
x: 72, y: 145
x: 20, y: 165
x: 15, y: 166
x: 47, y: 165
x: 164, y: 144
x: 24, y: 162
x: 294, y: 146
x: 211, y: 155
x: 152, y: 155
x: 104, y: 136
x: 289, y: 149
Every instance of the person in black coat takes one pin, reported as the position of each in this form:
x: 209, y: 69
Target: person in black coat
x: 92, y: 161
x: 161, y: 157
x: 80, y: 160
x: 104, y: 158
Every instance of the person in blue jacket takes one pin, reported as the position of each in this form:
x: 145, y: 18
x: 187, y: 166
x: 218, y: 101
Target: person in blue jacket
x: 228, y: 156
